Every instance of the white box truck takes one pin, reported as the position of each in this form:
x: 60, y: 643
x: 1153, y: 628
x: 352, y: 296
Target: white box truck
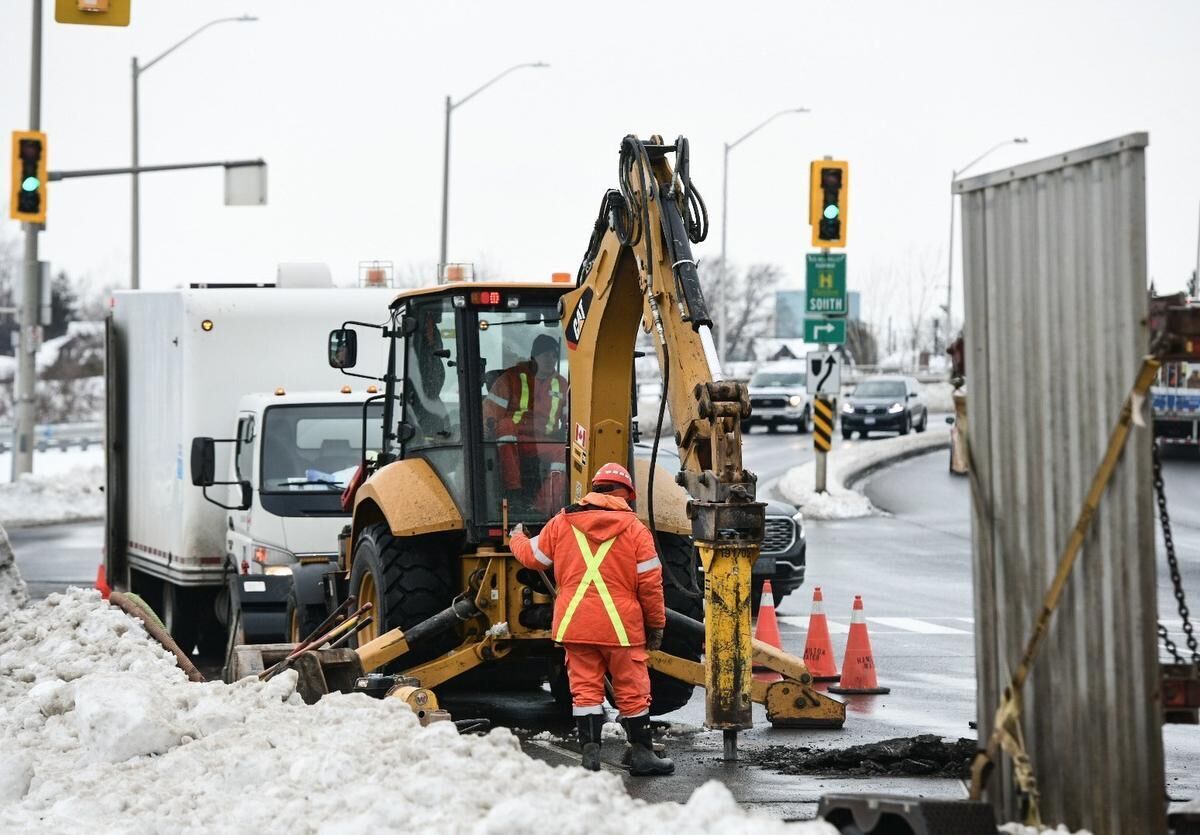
x: 247, y: 372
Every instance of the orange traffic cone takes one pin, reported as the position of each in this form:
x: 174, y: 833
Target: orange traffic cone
x: 818, y: 649
x: 102, y: 582
x: 767, y: 631
x: 858, y: 667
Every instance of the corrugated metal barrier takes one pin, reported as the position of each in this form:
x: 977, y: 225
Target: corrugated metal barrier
x: 1055, y: 284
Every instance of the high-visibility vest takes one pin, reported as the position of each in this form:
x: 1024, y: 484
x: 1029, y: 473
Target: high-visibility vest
x: 555, y: 401
x: 592, y: 579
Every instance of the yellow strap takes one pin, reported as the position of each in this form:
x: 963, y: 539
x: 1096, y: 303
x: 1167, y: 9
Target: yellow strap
x: 524, y: 404
x: 592, y: 577
x: 552, y: 418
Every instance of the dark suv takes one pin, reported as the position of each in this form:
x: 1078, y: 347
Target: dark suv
x: 889, y: 403
x: 783, y: 556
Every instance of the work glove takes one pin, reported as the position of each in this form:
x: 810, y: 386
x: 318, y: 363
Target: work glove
x: 654, y: 639
x: 517, y: 529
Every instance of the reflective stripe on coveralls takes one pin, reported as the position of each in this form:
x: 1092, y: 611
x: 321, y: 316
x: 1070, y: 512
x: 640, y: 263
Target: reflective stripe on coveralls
x: 592, y: 577
x: 523, y: 404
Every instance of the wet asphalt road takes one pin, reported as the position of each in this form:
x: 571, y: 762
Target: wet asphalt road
x: 913, y: 570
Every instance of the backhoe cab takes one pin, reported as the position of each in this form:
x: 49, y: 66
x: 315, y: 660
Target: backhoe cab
x: 481, y: 431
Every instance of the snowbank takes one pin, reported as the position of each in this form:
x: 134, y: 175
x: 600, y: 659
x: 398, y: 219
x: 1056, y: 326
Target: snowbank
x: 1022, y: 829
x: 850, y: 463
x: 99, y: 731
x: 12, y: 587
x: 48, y: 499
x: 939, y: 397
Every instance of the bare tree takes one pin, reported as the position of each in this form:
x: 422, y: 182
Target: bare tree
x: 861, y: 343
x: 751, y: 300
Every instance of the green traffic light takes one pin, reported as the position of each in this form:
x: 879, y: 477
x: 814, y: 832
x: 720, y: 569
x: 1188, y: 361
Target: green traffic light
x: 30, y: 184
x: 831, y: 211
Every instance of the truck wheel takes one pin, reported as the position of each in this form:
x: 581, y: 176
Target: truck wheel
x: 805, y: 424
x: 679, y: 557
x: 301, y: 620
x: 406, y: 581
x: 906, y: 425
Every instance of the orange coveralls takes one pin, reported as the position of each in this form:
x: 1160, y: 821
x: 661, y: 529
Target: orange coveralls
x: 521, y: 409
x: 610, y: 591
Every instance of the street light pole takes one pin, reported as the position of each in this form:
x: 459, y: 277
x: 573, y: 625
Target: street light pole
x: 723, y: 275
x: 135, y: 252
x: 451, y: 106
x: 27, y: 316
x: 954, y: 175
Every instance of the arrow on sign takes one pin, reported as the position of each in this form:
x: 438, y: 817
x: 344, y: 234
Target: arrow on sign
x: 829, y: 364
x: 819, y: 329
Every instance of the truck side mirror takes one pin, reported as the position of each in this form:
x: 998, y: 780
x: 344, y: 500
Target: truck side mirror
x: 247, y: 495
x: 405, y: 432
x: 950, y: 420
x: 204, y: 462
x: 343, y: 348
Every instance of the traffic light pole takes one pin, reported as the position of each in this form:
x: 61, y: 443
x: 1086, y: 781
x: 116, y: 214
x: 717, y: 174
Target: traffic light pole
x: 27, y: 317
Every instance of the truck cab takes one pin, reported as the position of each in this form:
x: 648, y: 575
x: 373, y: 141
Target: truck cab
x: 290, y: 457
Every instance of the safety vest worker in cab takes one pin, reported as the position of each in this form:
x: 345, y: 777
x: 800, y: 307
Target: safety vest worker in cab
x: 527, y: 403
x: 609, y: 610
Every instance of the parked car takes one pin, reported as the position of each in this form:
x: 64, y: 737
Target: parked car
x: 778, y: 397
x: 888, y: 403
x: 784, y: 553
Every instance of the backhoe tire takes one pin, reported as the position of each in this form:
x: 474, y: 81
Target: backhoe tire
x: 409, y: 581
x: 679, y: 559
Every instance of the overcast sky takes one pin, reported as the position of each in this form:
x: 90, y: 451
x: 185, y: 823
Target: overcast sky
x: 345, y: 102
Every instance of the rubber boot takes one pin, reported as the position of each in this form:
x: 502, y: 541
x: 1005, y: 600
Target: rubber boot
x: 643, y: 762
x: 591, y: 732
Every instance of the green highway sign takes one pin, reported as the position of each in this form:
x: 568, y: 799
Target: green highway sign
x: 832, y: 331
x: 825, y: 288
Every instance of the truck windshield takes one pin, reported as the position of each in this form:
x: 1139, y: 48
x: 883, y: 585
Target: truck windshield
x: 777, y: 378
x: 316, y: 447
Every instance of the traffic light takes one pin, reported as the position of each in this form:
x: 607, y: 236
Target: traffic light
x: 829, y: 189
x: 29, y: 177
x: 93, y: 12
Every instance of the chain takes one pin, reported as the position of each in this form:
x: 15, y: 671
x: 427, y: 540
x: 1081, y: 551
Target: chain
x: 1173, y: 564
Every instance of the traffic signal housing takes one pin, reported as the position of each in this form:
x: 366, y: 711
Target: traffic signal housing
x: 829, y: 190
x: 29, y: 177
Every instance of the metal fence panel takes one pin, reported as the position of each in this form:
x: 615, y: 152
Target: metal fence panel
x: 1054, y: 259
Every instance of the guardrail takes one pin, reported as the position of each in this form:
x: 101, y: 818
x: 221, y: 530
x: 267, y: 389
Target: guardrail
x: 58, y: 436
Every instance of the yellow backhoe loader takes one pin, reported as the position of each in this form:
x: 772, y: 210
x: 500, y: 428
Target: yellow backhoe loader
x: 428, y: 546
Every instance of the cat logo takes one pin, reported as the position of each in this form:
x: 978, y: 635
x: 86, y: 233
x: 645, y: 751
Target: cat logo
x: 578, y: 317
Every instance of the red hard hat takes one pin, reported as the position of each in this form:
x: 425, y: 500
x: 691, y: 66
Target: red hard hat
x: 614, y: 473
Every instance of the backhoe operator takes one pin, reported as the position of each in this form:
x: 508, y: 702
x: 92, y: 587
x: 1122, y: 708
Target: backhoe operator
x: 609, y: 610
x: 526, y: 404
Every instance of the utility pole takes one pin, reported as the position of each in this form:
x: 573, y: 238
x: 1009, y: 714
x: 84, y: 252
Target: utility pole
x: 27, y: 315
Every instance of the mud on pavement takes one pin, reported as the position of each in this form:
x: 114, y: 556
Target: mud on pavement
x: 925, y: 755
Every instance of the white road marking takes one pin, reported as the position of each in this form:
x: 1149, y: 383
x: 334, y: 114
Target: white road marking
x: 891, y: 626
x: 923, y: 627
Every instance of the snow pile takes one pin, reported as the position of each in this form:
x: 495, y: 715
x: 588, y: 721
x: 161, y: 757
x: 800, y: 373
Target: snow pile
x: 938, y: 397
x: 846, y: 465
x: 12, y: 587
x: 1022, y: 829
x: 97, y: 725
x: 48, y: 499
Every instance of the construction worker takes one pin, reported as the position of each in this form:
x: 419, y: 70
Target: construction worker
x: 527, y: 403
x: 609, y: 611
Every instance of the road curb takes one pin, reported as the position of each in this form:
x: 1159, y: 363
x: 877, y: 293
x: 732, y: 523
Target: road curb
x: 847, y: 467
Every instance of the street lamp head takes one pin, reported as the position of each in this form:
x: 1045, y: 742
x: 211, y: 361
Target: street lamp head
x: 1020, y: 140
x: 540, y: 65
x: 246, y: 18
x: 800, y: 110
